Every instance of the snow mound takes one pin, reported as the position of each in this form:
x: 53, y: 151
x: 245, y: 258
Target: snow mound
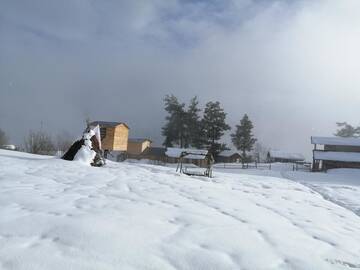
x: 58, y: 215
x: 85, y: 155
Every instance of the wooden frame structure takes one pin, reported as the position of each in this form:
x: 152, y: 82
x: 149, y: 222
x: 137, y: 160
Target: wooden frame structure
x: 184, y: 155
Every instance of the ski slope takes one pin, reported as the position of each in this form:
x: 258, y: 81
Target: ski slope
x: 57, y: 214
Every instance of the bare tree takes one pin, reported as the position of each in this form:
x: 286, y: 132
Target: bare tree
x: 260, y: 152
x: 3, y: 138
x: 63, y: 141
x: 39, y: 142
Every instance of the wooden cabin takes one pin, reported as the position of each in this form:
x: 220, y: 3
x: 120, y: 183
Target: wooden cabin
x: 137, y: 146
x: 114, y: 135
x: 335, y: 152
x: 228, y: 156
x: 156, y: 154
x: 284, y: 157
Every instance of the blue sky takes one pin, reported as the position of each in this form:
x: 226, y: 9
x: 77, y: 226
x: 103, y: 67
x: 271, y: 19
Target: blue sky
x: 291, y: 65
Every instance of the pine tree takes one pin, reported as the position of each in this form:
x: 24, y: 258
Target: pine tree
x: 174, y: 130
x: 214, y: 127
x: 346, y: 130
x: 193, y: 125
x: 243, y: 139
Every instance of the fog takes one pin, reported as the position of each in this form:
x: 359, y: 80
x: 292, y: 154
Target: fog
x: 292, y: 66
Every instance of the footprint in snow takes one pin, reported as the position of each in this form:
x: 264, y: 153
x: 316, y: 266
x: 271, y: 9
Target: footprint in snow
x: 343, y: 263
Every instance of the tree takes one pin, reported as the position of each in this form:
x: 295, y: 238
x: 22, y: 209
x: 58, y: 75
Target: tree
x: 174, y: 130
x: 3, y: 138
x: 63, y: 141
x: 347, y: 130
x: 260, y: 152
x: 243, y: 139
x: 39, y: 142
x: 213, y: 127
x: 194, y: 136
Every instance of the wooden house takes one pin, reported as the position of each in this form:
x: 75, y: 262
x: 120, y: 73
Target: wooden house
x: 335, y: 152
x: 155, y: 154
x: 114, y: 135
x: 137, y: 146
x: 228, y: 156
x: 284, y: 157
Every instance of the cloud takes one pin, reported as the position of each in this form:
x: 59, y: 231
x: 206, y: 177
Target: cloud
x: 291, y: 65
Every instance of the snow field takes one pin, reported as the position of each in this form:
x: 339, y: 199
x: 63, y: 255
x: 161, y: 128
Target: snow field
x: 56, y: 214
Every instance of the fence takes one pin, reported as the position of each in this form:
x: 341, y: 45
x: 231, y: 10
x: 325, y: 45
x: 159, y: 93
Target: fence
x: 303, y: 166
x: 263, y: 166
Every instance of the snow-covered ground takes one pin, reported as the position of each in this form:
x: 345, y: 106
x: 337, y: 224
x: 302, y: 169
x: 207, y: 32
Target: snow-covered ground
x: 57, y: 214
x: 341, y: 186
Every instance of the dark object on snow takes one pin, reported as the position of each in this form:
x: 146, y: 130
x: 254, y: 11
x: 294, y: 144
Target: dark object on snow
x: 98, y: 160
x: 74, y: 148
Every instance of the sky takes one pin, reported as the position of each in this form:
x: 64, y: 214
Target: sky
x: 292, y: 66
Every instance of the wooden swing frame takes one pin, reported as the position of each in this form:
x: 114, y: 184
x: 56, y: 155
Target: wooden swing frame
x: 180, y: 167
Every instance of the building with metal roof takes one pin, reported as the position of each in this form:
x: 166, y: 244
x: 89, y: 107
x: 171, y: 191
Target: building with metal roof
x: 335, y: 152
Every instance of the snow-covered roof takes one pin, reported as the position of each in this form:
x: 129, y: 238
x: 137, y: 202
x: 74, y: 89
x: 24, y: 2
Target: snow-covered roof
x: 191, y: 153
x: 286, y: 155
x: 337, y: 156
x: 336, y: 141
x: 228, y: 153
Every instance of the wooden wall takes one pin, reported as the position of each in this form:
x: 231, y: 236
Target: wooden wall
x: 108, y: 142
x: 342, y: 148
x: 121, y: 137
x: 327, y: 164
x: 116, y: 138
x: 136, y: 148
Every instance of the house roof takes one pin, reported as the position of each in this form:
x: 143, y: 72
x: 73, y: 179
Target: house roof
x: 286, y: 155
x: 336, y: 141
x: 138, y: 140
x: 107, y: 124
x: 154, y: 151
x: 189, y: 153
x: 228, y: 153
x: 337, y: 156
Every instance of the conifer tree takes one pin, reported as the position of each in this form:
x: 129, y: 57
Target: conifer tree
x: 347, y: 130
x: 214, y: 127
x: 174, y: 130
x: 243, y: 139
x: 193, y: 125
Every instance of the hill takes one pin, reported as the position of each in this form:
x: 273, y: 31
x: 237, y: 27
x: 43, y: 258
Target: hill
x: 56, y: 214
